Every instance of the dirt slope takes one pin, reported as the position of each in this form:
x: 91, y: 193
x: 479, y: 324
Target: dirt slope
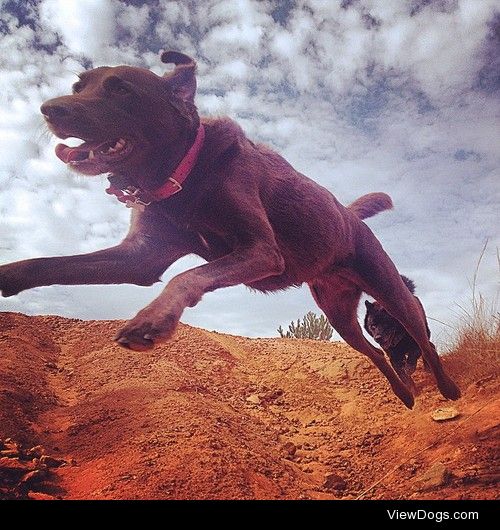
x: 213, y: 416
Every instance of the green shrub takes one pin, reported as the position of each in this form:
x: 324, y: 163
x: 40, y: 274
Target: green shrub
x: 312, y: 326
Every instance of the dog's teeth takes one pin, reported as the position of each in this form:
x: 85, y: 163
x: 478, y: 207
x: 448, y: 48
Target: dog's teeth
x: 120, y: 144
x: 110, y: 150
x: 91, y: 155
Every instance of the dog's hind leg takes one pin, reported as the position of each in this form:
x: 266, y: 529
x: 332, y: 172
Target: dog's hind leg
x: 338, y: 298
x: 411, y: 317
x: 378, y: 276
x: 404, y: 371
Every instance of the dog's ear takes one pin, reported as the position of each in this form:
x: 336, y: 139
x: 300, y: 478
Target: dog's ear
x: 368, y: 304
x: 181, y: 80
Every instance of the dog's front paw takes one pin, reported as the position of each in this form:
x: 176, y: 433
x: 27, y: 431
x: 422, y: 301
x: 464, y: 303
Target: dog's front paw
x: 143, y: 331
x: 10, y: 280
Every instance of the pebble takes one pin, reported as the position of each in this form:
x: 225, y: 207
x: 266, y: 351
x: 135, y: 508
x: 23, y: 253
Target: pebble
x: 253, y: 398
x: 436, y: 476
x: 37, y: 496
x: 289, y: 448
x: 334, y: 482
x: 50, y: 461
x: 445, y: 414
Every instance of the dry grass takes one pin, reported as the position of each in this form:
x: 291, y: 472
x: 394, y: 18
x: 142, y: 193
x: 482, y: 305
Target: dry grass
x: 474, y: 352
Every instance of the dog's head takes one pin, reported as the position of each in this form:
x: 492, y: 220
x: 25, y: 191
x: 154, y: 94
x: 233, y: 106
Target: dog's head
x: 127, y: 117
x: 385, y: 329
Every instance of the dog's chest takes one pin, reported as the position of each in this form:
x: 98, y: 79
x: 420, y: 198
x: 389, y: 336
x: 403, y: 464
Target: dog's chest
x: 206, y: 220
x: 212, y: 240
x: 214, y: 245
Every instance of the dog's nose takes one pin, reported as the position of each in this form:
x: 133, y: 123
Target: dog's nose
x: 53, y: 110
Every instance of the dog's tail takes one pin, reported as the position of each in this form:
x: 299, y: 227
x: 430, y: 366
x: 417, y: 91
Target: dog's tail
x: 409, y: 283
x: 370, y: 204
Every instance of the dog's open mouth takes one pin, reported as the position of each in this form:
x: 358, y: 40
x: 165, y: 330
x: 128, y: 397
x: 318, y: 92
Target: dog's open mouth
x: 94, y: 153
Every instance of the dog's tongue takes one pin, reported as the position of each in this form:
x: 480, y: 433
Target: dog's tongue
x: 68, y: 154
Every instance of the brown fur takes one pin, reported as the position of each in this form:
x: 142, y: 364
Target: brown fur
x: 244, y: 209
x: 370, y: 204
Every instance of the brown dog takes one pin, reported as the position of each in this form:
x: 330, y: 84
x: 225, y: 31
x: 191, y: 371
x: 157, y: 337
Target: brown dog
x: 242, y: 208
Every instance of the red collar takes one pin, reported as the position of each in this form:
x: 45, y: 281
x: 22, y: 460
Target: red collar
x: 138, y: 198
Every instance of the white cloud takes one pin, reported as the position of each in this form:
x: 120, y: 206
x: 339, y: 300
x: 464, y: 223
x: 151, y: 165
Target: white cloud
x: 361, y: 99
x: 133, y: 19
x: 85, y: 27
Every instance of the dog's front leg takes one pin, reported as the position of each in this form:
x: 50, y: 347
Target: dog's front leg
x: 125, y: 263
x: 149, y: 248
x: 159, y: 319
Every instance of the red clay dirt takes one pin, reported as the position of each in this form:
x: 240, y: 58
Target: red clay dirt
x: 214, y: 416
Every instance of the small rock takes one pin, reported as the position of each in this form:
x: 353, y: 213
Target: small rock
x: 271, y: 396
x: 289, y: 449
x: 445, y: 414
x: 50, y: 461
x: 36, y: 452
x: 37, y: 496
x: 15, y: 465
x: 253, y: 398
x: 51, y: 365
x: 215, y: 444
x: 34, y: 476
x: 436, y: 476
x: 334, y: 482
x: 9, y: 452
x: 10, y: 445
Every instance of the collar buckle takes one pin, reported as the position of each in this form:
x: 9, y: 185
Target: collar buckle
x: 133, y: 198
x: 177, y: 186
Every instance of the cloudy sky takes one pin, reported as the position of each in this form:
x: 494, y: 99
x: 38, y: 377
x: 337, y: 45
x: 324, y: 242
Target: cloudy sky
x: 361, y: 95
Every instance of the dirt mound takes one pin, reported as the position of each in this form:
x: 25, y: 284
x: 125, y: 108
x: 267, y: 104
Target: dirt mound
x: 213, y: 416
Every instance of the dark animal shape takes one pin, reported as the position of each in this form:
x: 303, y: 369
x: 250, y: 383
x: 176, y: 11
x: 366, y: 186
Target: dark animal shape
x: 401, y: 348
x: 243, y: 208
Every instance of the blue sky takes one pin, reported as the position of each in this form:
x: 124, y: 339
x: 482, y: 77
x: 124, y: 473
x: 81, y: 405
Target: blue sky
x: 361, y: 95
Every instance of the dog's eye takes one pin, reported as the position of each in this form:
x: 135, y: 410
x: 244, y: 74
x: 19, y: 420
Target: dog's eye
x: 77, y: 87
x: 115, y: 85
x: 121, y: 90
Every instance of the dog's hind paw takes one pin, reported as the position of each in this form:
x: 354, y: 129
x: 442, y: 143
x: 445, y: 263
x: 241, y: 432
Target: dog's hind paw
x: 404, y: 394
x: 449, y: 389
x: 408, y: 399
